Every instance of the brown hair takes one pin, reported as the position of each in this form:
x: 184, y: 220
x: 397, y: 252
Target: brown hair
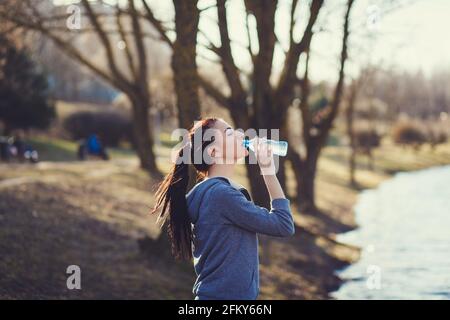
x: 171, y: 193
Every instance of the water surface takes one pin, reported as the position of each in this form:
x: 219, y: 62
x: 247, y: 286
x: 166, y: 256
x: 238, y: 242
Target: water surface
x: 405, y: 236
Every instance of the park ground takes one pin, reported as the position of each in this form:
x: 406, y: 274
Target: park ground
x: 94, y: 214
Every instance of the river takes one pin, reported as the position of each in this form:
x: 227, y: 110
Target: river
x: 404, y: 233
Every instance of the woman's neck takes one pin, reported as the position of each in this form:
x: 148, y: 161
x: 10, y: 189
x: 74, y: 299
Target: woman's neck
x: 221, y: 170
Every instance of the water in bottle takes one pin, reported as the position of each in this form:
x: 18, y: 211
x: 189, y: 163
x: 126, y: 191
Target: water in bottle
x: 278, y: 147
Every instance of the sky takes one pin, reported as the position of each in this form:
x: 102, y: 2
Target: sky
x: 412, y: 37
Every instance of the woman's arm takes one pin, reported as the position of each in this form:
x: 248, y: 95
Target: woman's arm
x: 267, y: 165
x: 236, y: 209
x: 274, y: 187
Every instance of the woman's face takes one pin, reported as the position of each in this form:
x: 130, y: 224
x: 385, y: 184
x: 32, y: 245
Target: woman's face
x: 228, y: 143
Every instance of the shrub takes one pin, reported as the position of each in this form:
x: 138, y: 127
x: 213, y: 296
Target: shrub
x: 111, y: 127
x: 366, y: 138
x: 409, y: 133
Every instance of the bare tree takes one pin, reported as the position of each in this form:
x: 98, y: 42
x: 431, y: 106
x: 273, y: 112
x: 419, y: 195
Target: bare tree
x: 260, y: 104
x: 257, y: 102
x: 316, y: 127
x: 269, y: 103
x: 133, y: 81
x: 354, y: 91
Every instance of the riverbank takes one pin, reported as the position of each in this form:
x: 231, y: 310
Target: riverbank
x: 94, y: 214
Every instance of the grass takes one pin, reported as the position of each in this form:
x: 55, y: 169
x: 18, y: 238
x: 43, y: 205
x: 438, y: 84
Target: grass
x: 56, y: 149
x: 53, y: 149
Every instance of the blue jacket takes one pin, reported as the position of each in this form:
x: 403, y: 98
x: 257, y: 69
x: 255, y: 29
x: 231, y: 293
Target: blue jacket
x: 225, y: 249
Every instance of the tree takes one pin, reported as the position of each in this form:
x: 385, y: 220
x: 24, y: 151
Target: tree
x: 132, y: 80
x: 267, y: 105
x: 354, y: 91
x: 316, y: 127
x: 261, y: 104
x: 184, y: 65
x: 24, y: 96
x: 257, y: 103
x: 135, y: 82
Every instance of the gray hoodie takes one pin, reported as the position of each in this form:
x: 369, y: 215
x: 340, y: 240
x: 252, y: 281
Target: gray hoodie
x: 225, y: 226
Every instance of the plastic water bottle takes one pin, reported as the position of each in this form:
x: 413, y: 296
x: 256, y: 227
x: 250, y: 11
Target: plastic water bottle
x: 278, y: 147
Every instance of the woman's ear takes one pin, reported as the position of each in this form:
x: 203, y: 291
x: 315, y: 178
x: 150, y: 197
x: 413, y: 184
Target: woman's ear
x: 212, y: 152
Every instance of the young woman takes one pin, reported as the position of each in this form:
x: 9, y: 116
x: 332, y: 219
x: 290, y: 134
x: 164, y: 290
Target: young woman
x: 215, y: 223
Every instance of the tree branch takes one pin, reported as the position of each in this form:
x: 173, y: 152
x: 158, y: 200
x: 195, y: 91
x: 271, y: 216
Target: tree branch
x: 156, y: 23
x: 296, y: 49
x: 140, y: 47
x: 228, y: 65
x: 304, y: 105
x: 328, y: 121
x: 64, y: 46
x: 106, y: 43
x: 214, y: 93
x: 128, y: 54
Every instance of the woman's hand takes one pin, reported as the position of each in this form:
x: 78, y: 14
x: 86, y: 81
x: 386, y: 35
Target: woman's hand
x: 266, y: 163
x: 264, y: 155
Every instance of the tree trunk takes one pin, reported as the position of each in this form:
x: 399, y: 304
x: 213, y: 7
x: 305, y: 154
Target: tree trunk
x: 282, y: 160
x: 143, y: 136
x: 350, y: 130
x: 305, y: 186
x: 184, y: 68
x: 282, y: 174
x: 184, y: 64
x: 352, y: 166
x: 305, y: 192
x: 260, y: 195
x: 305, y: 175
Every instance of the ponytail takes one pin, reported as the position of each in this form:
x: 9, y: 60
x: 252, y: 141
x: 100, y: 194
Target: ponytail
x: 171, y: 197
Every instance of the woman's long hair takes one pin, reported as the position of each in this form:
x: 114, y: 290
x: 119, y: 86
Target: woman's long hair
x: 171, y: 193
